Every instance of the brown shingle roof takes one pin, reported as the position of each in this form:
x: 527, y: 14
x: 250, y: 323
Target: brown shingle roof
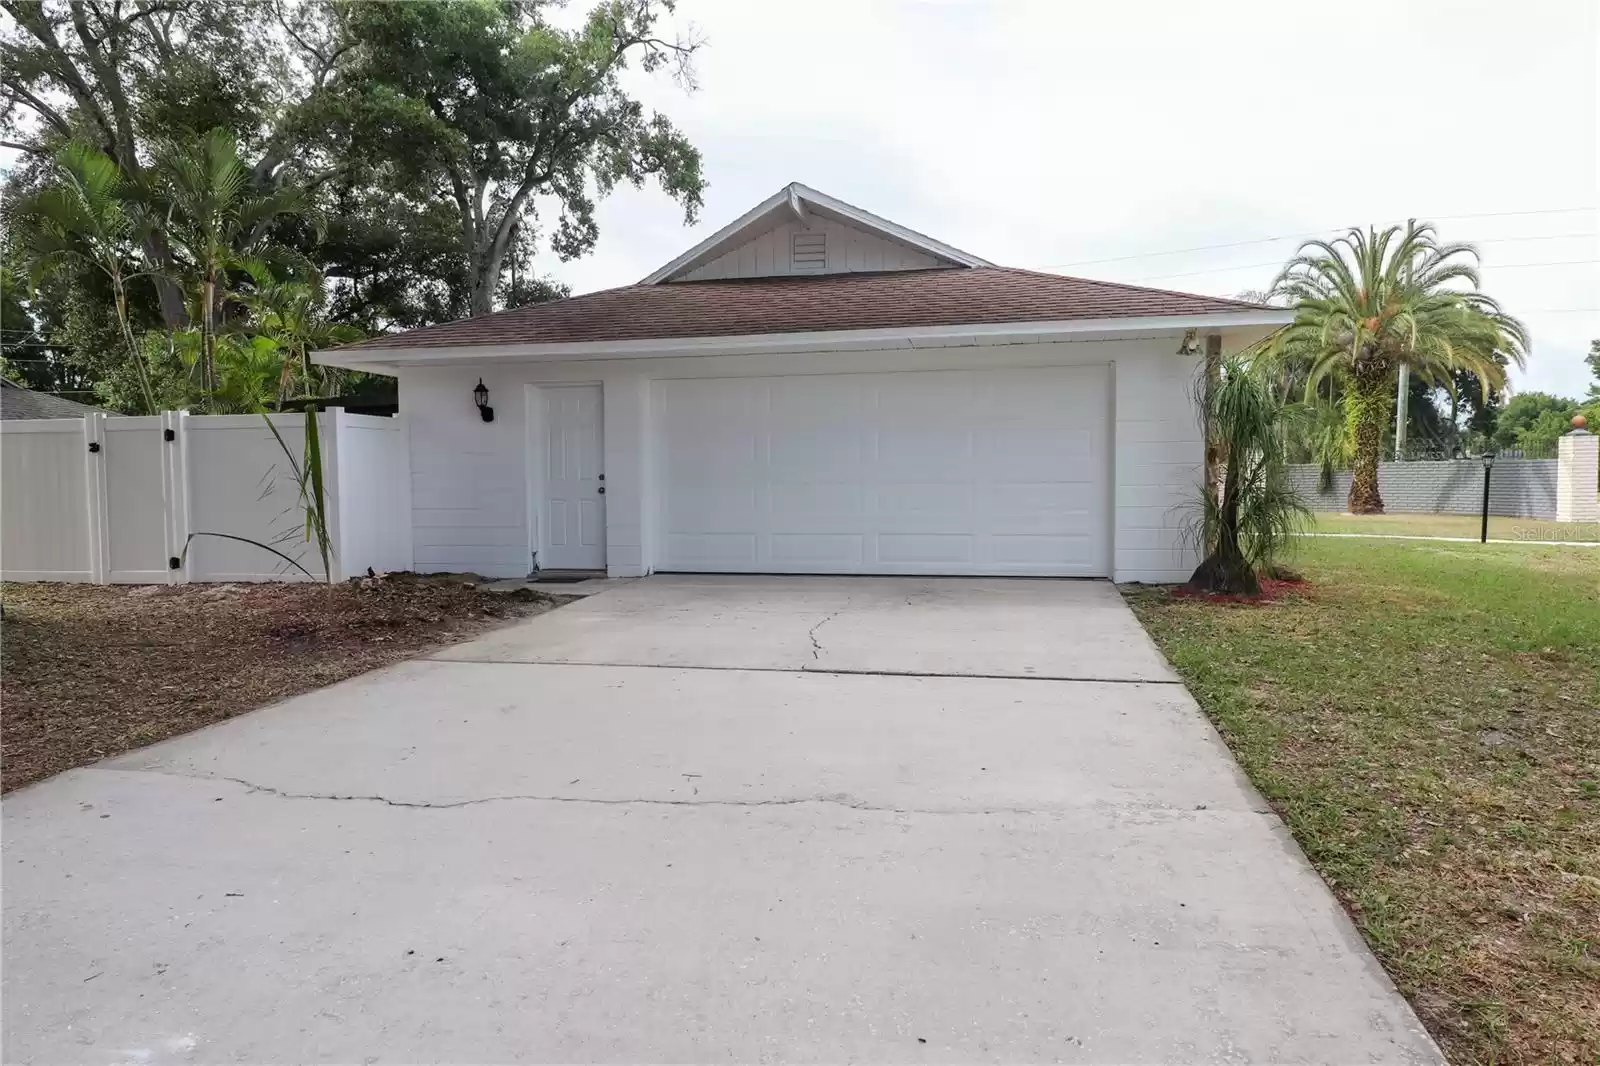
x: 794, y: 304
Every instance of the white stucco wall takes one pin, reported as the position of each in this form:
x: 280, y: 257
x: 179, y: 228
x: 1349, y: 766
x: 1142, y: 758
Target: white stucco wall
x: 470, y: 479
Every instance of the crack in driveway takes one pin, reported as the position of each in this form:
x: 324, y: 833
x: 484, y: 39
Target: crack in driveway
x: 816, y: 645
x: 838, y: 799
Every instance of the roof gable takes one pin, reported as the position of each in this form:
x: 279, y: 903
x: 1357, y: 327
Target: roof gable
x: 799, y: 230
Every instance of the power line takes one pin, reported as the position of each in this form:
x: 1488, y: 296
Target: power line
x: 1269, y: 240
x: 1508, y: 214
x: 1319, y: 233
x: 1557, y: 263
x: 1539, y: 237
x: 1258, y: 266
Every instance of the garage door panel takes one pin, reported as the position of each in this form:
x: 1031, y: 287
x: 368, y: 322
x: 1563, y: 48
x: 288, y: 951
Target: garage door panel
x: 711, y: 506
x: 815, y: 456
x: 713, y: 427
x: 727, y: 455
x: 818, y: 551
x: 1042, y: 550
x: 923, y: 425
x: 814, y: 506
x: 815, y: 429
x: 909, y: 399
x: 926, y: 451
x: 922, y: 549
x: 1024, y: 507
x: 918, y: 501
x: 1073, y: 457
x: 953, y: 472
x: 712, y: 550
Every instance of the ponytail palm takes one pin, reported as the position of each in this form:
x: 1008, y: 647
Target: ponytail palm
x: 1369, y: 301
x: 1248, y: 513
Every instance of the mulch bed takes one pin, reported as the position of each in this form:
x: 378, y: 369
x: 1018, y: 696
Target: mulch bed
x: 1271, y: 589
x: 90, y: 671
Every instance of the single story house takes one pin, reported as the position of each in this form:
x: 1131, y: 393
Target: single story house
x: 813, y: 389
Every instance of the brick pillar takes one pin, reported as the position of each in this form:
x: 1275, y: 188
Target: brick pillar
x: 1577, y: 476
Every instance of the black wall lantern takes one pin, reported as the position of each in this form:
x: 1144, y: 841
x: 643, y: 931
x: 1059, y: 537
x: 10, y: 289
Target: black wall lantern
x: 480, y: 396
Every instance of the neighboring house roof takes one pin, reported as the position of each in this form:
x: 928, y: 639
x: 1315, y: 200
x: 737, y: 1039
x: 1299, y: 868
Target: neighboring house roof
x: 18, y: 402
x: 810, y: 303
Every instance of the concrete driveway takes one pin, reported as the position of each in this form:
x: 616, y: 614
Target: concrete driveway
x: 698, y: 819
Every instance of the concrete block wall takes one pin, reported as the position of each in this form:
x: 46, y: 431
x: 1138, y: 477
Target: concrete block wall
x: 1519, y: 488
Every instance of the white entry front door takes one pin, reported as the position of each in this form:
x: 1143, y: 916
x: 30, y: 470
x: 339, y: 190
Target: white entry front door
x: 574, y: 480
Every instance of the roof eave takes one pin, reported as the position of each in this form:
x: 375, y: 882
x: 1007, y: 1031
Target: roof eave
x: 1231, y: 322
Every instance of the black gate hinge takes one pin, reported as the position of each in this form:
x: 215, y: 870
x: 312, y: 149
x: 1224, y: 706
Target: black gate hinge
x: 94, y: 446
x: 173, y: 562
x: 169, y: 434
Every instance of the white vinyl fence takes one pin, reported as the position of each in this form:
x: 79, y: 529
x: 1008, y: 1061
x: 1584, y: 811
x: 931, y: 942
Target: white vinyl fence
x: 115, y: 500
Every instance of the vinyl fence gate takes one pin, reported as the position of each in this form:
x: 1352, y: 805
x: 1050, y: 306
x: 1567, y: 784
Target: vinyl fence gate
x: 109, y: 499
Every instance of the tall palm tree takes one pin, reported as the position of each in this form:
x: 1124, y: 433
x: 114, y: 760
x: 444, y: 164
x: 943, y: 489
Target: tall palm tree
x: 215, y: 220
x: 85, y: 217
x: 1366, y: 302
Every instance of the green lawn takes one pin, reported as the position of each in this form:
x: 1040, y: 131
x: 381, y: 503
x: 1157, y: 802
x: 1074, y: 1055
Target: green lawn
x: 1426, y: 718
x: 1453, y: 525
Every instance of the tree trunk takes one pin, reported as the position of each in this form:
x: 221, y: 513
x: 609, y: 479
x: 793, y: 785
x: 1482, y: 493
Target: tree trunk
x: 208, y: 364
x: 485, y: 262
x: 174, y: 313
x: 482, y: 296
x: 1369, y: 410
x: 1213, y: 373
x: 1226, y: 570
x: 135, y: 356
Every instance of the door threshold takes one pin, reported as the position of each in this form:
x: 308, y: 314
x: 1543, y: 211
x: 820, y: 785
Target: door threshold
x: 564, y: 577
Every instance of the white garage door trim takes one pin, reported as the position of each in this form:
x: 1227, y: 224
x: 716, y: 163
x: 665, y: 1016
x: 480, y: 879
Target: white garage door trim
x: 991, y: 472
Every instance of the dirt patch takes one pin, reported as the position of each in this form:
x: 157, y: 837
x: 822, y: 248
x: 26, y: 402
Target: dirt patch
x: 90, y: 671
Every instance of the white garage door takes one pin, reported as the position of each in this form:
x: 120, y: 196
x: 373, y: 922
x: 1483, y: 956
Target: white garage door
x: 947, y: 472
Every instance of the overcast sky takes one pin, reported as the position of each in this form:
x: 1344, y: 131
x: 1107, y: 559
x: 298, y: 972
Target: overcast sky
x: 1084, y: 138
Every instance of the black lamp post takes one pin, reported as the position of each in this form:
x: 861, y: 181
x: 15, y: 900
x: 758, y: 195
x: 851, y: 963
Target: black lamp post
x: 480, y: 396
x: 1488, y: 467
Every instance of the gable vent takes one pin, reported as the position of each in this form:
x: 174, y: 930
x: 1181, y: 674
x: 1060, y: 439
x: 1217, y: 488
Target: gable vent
x: 808, y: 253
